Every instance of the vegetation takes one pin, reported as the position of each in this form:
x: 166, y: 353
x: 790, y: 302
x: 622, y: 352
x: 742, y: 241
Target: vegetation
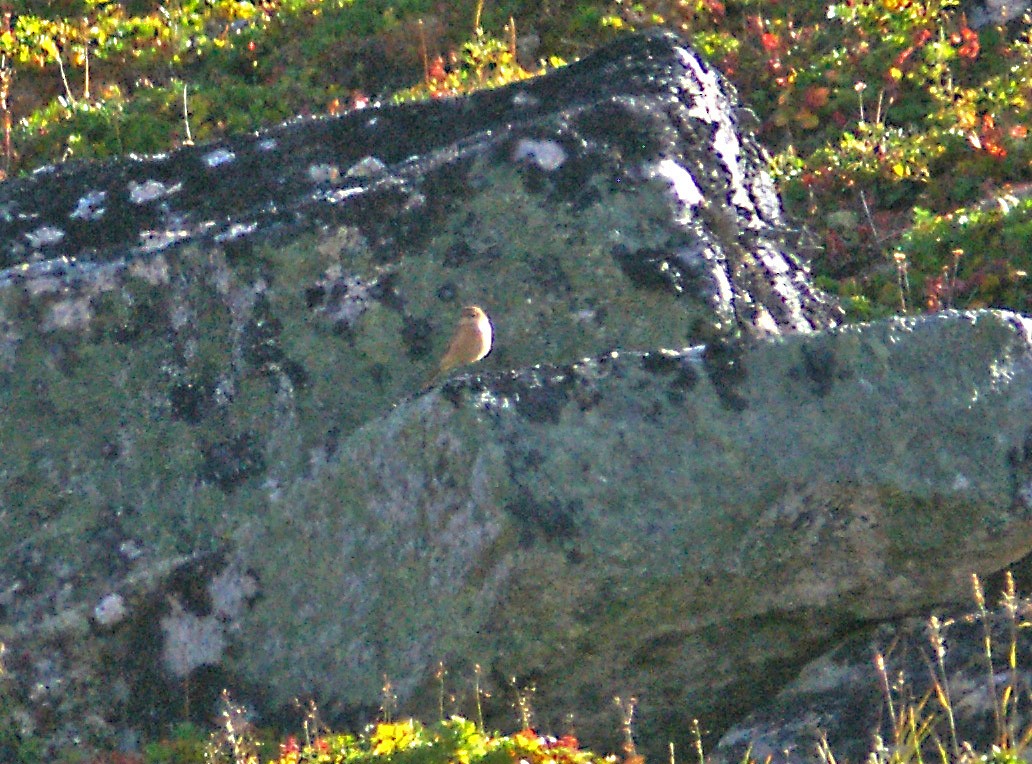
x: 404, y: 741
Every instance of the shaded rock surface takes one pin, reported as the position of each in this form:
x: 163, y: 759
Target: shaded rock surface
x: 843, y: 701
x: 219, y: 470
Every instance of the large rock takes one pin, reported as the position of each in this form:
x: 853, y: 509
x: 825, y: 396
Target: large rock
x: 219, y: 468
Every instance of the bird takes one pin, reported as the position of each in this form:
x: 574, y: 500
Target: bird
x: 470, y: 342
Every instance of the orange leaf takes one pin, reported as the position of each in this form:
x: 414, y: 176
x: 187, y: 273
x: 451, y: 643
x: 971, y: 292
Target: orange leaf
x: 816, y: 96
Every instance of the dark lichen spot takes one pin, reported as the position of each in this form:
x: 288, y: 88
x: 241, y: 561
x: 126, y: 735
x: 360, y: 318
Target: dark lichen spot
x: 416, y: 334
x: 543, y: 403
x: 819, y: 365
x: 345, y: 332
x: 64, y: 353
x: 447, y: 186
x: 523, y: 461
x: 134, y: 653
x: 386, y: 291
x: 1020, y: 461
x: 552, y: 518
x: 454, y: 391
x: 650, y: 269
x: 239, y: 250
x: 459, y: 254
x: 685, y: 381
x: 132, y: 322
x: 658, y: 362
x: 339, y: 289
x: 670, y: 363
x: 332, y: 441
x: 380, y: 374
x: 189, y: 402
x: 575, y: 182
x: 548, y: 273
x: 724, y: 364
x: 446, y: 292
x: 188, y: 583
x: 587, y: 195
x: 105, y: 539
x: 231, y: 461
x: 535, y: 180
x: 587, y: 394
x: 295, y: 372
x: 261, y: 347
x: 315, y: 296
x: 261, y: 338
x: 707, y: 330
x: 631, y: 134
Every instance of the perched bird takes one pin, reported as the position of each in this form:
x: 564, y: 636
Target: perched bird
x: 470, y: 342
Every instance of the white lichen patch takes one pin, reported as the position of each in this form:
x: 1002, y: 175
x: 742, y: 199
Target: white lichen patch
x: 367, y: 167
x: 224, y: 392
x: 181, y: 317
x: 346, y: 295
x: 218, y: 157
x: 682, y: 184
x: 69, y: 314
x: 152, y: 241
x: 91, y: 206
x: 129, y: 549
x: 105, y: 278
x: 490, y: 401
x: 230, y: 591
x: 341, y: 194
x: 781, y: 279
x: 44, y: 285
x: 764, y: 323
x: 110, y: 610
x: 343, y: 240
x: 44, y: 235
x: 149, y: 190
x: 524, y: 99
x: 153, y: 270
x: 190, y: 641
x: 323, y: 173
x: 546, y: 154
x: 709, y: 104
x: 235, y: 231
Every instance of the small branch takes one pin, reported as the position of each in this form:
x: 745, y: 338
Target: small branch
x: 423, y: 53
x: 186, y: 119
